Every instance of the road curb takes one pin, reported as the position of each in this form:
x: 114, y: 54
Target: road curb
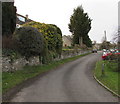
x: 105, y: 86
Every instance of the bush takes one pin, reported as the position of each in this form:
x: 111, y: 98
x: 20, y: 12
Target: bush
x: 114, y: 62
x: 29, y: 41
x: 48, y: 57
x: 113, y: 57
x: 52, y: 35
x: 52, y: 40
x: 7, y: 42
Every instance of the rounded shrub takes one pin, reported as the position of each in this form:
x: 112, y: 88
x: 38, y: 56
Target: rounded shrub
x: 52, y: 35
x: 29, y: 41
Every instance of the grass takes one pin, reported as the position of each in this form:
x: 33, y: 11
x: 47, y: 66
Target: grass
x: 9, y: 80
x: 110, y: 77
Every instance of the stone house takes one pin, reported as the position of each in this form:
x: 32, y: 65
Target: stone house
x: 67, y: 40
x: 97, y: 46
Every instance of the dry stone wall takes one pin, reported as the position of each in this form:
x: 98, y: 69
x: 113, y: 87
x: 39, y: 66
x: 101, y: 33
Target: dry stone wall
x: 18, y: 64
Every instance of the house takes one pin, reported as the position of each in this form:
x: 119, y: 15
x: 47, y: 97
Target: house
x: 20, y: 20
x: 97, y: 46
x: 67, y: 40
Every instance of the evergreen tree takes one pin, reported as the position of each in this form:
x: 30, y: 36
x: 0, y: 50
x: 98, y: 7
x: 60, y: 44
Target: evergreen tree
x: 8, y: 18
x: 80, y: 25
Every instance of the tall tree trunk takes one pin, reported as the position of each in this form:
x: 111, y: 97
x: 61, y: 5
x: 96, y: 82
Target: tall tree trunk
x: 81, y: 41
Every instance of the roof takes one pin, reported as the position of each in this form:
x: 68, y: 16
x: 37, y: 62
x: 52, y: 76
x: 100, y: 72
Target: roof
x: 18, y: 21
x: 68, y: 37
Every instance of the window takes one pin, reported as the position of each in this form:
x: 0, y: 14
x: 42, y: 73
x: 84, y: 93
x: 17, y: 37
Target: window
x: 21, y: 18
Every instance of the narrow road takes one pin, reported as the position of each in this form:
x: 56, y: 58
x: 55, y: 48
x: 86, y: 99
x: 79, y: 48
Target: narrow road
x: 73, y: 82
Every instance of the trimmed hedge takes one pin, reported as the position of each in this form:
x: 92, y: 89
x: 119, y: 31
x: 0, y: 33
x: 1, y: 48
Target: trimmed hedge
x: 29, y: 41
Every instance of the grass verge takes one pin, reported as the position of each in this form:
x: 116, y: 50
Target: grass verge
x: 9, y: 80
x: 110, y: 77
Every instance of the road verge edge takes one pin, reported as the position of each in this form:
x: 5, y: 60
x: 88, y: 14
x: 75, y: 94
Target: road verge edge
x: 105, y: 86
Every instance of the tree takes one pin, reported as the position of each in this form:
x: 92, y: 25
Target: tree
x: 8, y: 18
x: 29, y: 41
x: 80, y: 25
x: 87, y: 41
x: 106, y: 45
x: 116, y: 35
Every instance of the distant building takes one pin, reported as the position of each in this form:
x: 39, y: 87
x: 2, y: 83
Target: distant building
x: 67, y: 40
x: 97, y: 46
x: 94, y: 42
x: 22, y: 20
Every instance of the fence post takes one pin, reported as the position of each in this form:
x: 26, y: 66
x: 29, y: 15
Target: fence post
x: 103, y: 69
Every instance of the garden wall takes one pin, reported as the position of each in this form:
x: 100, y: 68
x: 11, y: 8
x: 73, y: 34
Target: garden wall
x: 18, y: 64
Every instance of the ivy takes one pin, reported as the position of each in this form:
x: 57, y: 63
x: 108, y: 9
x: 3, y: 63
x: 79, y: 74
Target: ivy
x: 52, y: 35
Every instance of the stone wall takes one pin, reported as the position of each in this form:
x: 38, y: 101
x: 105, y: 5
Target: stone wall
x: 71, y: 53
x: 18, y: 64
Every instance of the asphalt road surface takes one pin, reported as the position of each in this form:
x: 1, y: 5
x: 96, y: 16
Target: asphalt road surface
x: 72, y: 82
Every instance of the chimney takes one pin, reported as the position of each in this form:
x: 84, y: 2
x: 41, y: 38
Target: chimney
x: 26, y: 16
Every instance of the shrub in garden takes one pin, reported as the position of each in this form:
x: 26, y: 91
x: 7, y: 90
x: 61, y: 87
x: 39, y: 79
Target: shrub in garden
x: 8, y: 48
x: 52, y: 39
x: 113, y: 62
x: 7, y: 42
x: 59, y: 41
x: 29, y: 41
x: 113, y: 56
x: 52, y: 35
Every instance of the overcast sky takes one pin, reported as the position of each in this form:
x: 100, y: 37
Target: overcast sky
x: 104, y: 14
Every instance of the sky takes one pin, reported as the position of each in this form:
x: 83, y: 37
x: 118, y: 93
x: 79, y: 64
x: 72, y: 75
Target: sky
x: 104, y: 14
